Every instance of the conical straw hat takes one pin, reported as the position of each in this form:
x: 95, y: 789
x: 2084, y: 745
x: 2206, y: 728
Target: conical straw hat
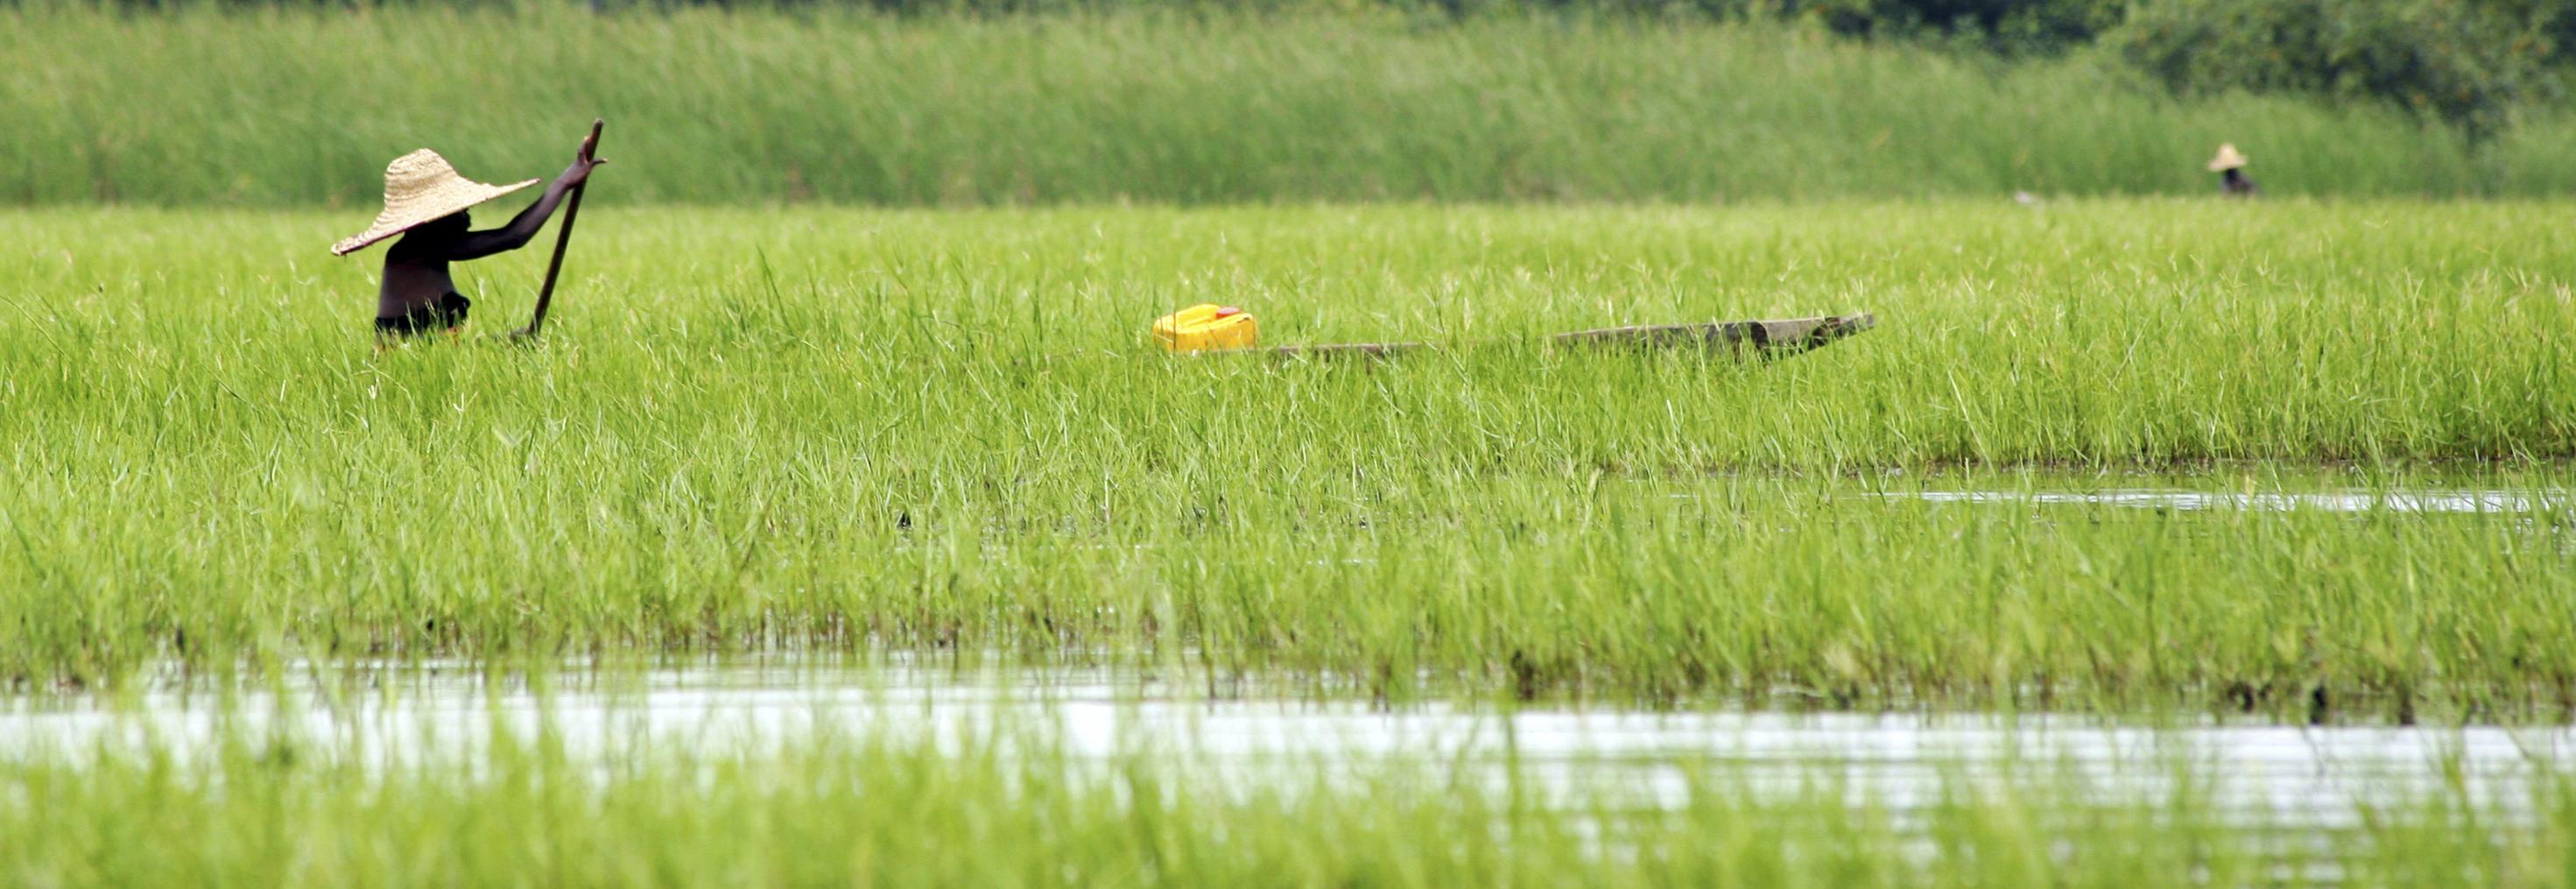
x: 2227, y: 158
x: 421, y: 187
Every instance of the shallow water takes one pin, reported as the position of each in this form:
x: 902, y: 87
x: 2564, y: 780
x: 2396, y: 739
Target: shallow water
x: 2401, y: 501
x: 2259, y: 772
x: 2317, y: 776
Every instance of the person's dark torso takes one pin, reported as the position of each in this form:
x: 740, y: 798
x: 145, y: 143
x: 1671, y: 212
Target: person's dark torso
x: 417, y: 295
x: 2236, y: 184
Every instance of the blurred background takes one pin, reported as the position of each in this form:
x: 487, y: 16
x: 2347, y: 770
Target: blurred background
x: 1008, y: 102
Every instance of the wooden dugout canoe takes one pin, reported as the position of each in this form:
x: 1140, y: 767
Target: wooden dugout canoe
x: 1744, y: 339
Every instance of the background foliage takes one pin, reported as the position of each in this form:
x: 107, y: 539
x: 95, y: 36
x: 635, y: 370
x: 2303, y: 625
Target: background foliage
x: 2472, y: 64
x: 2465, y: 62
x: 294, y: 107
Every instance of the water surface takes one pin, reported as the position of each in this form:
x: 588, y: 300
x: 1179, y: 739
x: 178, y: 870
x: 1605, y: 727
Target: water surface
x: 2312, y: 775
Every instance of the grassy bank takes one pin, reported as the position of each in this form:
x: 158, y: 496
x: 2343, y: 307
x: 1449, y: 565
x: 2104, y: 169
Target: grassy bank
x: 280, y: 108
x: 983, y: 814
x: 939, y: 430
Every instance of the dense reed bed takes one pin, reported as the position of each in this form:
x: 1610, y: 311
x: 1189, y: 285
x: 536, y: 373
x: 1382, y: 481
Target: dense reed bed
x: 942, y: 431
x: 287, y: 108
x: 984, y: 813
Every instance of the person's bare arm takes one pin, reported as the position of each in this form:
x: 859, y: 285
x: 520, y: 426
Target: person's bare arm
x: 476, y: 245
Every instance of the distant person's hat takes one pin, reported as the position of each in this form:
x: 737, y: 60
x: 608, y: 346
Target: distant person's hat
x: 421, y: 187
x: 2227, y: 158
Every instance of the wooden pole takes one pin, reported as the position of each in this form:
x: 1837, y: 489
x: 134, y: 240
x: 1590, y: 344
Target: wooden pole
x: 563, y: 237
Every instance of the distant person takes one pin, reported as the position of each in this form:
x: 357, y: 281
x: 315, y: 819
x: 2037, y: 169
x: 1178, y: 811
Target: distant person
x: 425, y: 197
x: 2230, y: 167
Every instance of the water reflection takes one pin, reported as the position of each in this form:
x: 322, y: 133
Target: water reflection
x: 2462, y: 501
x: 2311, y: 775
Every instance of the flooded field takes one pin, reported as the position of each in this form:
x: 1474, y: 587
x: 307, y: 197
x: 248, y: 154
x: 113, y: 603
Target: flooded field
x: 2142, y: 542
x: 2317, y: 776
x: 2400, y: 501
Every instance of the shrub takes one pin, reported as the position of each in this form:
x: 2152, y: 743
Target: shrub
x: 2017, y: 25
x: 2465, y: 62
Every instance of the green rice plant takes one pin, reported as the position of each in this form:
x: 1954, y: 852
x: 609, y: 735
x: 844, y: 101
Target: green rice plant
x: 866, y: 431
x: 1010, y: 809
x: 275, y: 107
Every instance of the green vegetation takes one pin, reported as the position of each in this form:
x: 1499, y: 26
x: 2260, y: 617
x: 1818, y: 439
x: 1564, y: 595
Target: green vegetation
x: 765, y: 427
x: 987, y: 813
x: 299, y: 108
x: 941, y: 431
x: 2474, y: 63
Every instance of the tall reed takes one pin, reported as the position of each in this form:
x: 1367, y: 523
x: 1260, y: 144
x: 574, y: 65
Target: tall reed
x: 298, y: 107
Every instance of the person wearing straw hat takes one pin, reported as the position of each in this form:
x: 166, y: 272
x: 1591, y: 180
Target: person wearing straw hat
x: 426, y: 202
x: 2230, y: 167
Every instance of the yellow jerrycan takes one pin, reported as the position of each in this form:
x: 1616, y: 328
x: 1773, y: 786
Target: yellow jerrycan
x: 1206, y: 327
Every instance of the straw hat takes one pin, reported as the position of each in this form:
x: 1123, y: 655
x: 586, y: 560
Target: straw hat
x: 2227, y: 158
x: 421, y: 187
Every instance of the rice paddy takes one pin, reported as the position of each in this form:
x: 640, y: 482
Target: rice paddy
x: 2108, y: 466
x: 869, y: 430
x: 974, y: 814
x: 716, y: 776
